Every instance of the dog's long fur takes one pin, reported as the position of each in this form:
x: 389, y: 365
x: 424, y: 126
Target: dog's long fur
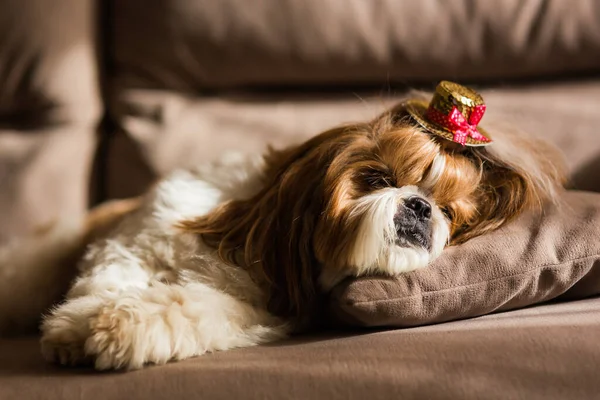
x: 236, y: 253
x: 484, y: 189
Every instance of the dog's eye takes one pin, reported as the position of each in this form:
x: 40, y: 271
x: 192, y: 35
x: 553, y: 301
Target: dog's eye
x: 376, y: 179
x: 448, y: 213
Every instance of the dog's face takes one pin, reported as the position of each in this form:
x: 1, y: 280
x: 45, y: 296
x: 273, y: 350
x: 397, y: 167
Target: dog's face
x: 383, y: 197
x: 392, y: 197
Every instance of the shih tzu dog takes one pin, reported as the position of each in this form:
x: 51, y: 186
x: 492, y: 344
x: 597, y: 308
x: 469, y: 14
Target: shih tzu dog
x: 236, y: 253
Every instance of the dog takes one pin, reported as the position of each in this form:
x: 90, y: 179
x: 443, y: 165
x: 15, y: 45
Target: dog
x: 237, y: 252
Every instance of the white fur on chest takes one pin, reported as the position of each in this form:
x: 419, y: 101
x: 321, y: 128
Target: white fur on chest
x: 148, y: 247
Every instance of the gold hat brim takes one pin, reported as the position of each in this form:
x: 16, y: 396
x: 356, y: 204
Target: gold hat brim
x: 418, y: 108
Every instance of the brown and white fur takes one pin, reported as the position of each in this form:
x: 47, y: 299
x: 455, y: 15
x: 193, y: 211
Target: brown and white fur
x: 236, y: 253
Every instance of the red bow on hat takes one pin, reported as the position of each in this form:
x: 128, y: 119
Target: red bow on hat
x: 456, y: 123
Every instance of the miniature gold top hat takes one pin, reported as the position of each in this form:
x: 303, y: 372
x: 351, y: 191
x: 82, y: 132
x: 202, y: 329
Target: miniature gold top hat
x: 453, y: 114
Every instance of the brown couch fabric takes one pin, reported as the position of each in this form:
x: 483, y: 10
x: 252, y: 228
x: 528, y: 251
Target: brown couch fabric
x: 195, y: 47
x: 532, y: 260
x: 547, y: 352
x: 165, y: 130
x: 198, y: 45
x: 49, y: 107
x: 44, y: 177
x: 48, y: 65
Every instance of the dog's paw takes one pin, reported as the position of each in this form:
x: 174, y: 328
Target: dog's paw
x: 110, y: 343
x: 62, y: 343
x: 127, y: 337
x: 65, y: 330
x: 67, y: 354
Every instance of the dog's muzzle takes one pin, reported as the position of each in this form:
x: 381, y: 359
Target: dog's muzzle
x: 413, y: 223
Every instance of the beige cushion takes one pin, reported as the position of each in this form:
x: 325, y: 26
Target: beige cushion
x: 164, y: 130
x: 48, y: 68
x: 44, y: 177
x: 547, y: 353
x: 49, y: 109
x: 532, y: 260
x: 195, y: 45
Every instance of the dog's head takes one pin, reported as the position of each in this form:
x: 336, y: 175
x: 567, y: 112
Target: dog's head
x: 383, y: 197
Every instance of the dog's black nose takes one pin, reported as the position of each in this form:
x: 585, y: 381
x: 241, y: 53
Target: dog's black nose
x: 420, y: 206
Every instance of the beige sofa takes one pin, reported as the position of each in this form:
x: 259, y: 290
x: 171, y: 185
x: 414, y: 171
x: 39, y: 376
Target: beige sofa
x: 98, y: 98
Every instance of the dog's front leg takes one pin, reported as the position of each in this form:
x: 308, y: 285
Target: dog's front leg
x: 174, y: 322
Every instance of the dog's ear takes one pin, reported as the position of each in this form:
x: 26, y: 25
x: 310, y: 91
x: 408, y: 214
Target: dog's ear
x: 272, y: 233
x: 518, y: 173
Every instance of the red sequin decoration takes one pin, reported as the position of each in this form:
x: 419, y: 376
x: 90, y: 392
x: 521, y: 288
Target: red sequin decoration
x: 458, y: 125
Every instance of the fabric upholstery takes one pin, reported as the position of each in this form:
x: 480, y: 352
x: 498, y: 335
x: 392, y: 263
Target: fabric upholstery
x: 183, y: 69
x: 163, y: 130
x: 547, y: 352
x: 44, y: 177
x: 48, y: 65
x: 49, y: 107
x: 178, y: 92
x: 534, y: 259
x: 196, y: 45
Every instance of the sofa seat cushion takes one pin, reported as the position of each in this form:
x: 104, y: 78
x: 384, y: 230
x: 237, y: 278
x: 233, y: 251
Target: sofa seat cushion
x: 546, y: 352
